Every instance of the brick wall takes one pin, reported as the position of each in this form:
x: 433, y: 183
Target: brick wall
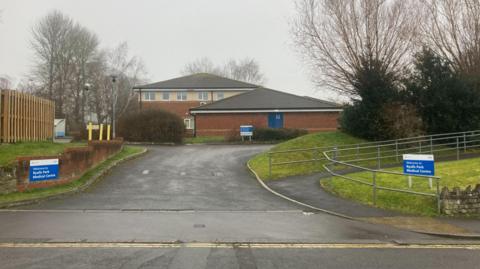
x: 312, y: 121
x: 73, y: 162
x: 181, y: 108
x: 226, y: 124
x: 460, y: 202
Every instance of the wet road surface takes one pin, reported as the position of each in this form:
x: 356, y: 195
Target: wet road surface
x: 194, y: 194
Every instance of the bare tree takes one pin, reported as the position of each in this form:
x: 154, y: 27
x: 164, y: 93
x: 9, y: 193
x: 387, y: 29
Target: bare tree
x: 247, y: 69
x: 48, y: 43
x: 201, y: 65
x: 5, y: 83
x: 452, y: 30
x: 129, y: 71
x: 337, y: 36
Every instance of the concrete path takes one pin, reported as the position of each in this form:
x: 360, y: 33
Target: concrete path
x: 307, y: 189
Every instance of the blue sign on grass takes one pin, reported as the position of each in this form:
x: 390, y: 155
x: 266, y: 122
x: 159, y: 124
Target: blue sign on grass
x: 43, y: 169
x: 418, y: 164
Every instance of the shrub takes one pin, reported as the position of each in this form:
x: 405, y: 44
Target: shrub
x: 445, y: 99
x: 375, y: 87
x: 269, y: 134
x: 151, y: 126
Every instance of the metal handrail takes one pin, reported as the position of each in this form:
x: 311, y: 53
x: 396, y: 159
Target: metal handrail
x: 380, y: 150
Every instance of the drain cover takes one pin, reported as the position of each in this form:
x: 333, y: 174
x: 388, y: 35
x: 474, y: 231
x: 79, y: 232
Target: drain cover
x: 198, y: 225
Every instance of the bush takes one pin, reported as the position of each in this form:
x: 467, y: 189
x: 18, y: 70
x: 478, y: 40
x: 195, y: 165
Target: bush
x: 151, y: 126
x: 445, y: 99
x: 375, y: 87
x: 269, y: 134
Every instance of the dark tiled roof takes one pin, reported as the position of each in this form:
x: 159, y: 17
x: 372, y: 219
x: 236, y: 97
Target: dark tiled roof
x: 199, y: 81
x: 267, y: 99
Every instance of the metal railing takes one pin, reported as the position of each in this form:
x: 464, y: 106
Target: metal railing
x: 371, y: 156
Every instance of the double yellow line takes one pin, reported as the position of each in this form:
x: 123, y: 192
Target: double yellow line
x: 242, y: 245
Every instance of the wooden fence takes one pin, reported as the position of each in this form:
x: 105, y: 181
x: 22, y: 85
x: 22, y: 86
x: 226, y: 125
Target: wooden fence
x: 24, y: 117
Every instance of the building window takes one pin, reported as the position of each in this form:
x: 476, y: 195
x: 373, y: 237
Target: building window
x: 220, y: 95
x: 165, y: 96
x: 149, y: 96
x: 182, y: 96
x: 203, y: 96
x: 189, y: 123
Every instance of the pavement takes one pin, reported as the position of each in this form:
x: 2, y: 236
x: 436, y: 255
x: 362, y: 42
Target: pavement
x: 199, y: 207
x: 307, y: 189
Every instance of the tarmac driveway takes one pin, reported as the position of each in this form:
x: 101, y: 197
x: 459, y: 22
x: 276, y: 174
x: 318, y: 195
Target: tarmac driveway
x: 197, y: 177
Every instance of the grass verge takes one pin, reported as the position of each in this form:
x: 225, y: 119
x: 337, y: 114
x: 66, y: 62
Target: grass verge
x: 203, y: 139
x: 8, y: 152
x: 260, y: 162
x: 453, y: 174
x: 127, y: 151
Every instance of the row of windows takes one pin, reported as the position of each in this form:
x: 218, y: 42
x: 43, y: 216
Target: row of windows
x: 181, y: 96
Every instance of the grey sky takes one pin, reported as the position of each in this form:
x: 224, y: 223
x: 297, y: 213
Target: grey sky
x: 168, y: 34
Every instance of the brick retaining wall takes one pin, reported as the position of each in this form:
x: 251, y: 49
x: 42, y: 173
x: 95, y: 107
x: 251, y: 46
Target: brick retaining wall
x: 73, y: 162
x: 457, y: 202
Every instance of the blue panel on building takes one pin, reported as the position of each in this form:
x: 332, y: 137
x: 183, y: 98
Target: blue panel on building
x: 275, y: 120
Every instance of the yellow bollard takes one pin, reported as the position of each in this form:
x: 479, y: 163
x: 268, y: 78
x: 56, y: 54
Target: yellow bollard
x: 108, y: 132
x: 100, y: 136
x: 90, y: 127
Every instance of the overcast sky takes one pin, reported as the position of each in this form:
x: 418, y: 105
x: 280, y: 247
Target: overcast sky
x: 169, y: 34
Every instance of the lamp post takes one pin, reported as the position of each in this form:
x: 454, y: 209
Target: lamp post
x: 114, y: 103
x: 86, y: 88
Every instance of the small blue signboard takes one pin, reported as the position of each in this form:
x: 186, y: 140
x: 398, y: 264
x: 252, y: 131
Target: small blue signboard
x: 418, y: 164
x: 43, y: 169
x: 246, y: 130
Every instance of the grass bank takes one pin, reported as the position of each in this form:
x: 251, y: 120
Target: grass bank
x: 127, y: 151
x: 453, y: 174
x: 203, y: 139
x: 8, y: 152
x: 260, y: 162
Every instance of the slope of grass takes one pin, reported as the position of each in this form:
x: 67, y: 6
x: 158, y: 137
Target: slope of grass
x: 260, y: 162
x: 8, y: 152
x: 41, y: 193
x: 203, y: 139
x: 453, y: 174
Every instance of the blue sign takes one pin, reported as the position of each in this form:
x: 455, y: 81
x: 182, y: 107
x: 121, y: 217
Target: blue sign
x: 246, y: 130
x: 43, y: 169
x: 418, y: 164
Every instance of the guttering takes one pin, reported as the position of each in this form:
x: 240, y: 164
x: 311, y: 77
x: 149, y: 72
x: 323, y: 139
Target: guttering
x: 264, y: 110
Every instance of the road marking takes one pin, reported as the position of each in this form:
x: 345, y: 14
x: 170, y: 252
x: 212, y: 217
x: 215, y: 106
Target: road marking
x: 242, y: 245
x: 145, y: 172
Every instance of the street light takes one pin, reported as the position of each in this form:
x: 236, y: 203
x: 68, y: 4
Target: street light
x: 114, y: 103
x: 86, y: 88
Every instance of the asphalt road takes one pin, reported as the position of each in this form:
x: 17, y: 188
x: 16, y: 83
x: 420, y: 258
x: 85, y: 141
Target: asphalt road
x: 188, y: 194
x: 197, y: 177
x: 237, y: 258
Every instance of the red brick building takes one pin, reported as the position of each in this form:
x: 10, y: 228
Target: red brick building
x: 264, y: 108
x: 180, y: 94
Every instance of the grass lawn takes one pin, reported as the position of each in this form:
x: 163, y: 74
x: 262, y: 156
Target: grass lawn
x: 40, y: 193
x: 453, y: 174
x: 203, y: 139
x: 8, y: 152
x: 259, y: 163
